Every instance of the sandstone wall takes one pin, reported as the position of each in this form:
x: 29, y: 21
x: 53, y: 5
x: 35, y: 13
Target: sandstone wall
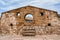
x: 46, y: 23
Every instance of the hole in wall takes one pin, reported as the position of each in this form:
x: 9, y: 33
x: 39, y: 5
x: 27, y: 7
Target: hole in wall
x: 47, y: 16
x: 28, y: 17
x: 18, y: 14
x: 11, y: 26
x: 49, y: 24
x: 41, y: 13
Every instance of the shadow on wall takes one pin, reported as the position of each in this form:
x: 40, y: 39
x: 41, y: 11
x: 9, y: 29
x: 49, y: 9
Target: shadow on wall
x: 59, y: 15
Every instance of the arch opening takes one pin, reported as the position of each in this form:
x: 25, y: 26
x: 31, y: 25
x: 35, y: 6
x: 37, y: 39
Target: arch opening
x: 28, y: 17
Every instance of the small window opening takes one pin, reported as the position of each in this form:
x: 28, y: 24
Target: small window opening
x: 49, y: 24
x: 11, y: 25
x: 42, y: 14
x: 18, y: 13
x: 47, y: 16
x: 28, y: 18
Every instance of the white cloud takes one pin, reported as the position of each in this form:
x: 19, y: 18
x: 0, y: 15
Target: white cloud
x: 11, y: 7
x: 8, y: 5
x: 47, y: 4
x: 7, y: 2
x: 2, y: 2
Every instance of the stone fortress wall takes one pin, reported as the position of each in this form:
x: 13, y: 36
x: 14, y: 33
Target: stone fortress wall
x: 43, y: 21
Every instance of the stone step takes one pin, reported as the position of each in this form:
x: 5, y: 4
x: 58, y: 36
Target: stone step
x: 28, y: 32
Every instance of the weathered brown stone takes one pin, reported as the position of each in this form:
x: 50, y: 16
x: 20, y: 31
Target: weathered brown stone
x: 13, y: 24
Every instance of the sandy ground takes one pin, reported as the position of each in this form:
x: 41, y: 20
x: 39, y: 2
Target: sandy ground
x: 37, y: 37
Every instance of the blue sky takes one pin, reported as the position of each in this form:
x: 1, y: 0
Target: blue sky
x: 6, y: 5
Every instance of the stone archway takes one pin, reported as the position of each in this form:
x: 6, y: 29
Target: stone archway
x: 28, y: 17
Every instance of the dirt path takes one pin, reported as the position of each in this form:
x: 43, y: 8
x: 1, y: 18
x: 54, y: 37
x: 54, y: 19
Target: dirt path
x: 41, y: 37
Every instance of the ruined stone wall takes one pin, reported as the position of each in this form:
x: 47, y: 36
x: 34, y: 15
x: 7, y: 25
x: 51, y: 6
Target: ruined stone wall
x: 44, y: 21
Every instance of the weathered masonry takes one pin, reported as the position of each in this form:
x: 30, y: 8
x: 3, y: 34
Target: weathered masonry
x: 30, y: 21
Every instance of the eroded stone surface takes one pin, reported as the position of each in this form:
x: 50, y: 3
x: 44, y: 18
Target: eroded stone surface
x: 44, y: 21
